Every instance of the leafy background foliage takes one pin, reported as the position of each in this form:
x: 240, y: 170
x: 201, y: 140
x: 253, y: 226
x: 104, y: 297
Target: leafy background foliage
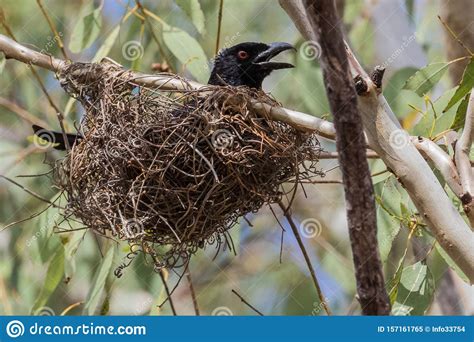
x: 47, y: 263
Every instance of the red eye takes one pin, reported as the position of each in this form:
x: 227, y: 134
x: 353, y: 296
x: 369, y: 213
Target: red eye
x: 243, y: 54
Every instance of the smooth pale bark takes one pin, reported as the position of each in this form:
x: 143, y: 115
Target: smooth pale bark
x: 380, y: 123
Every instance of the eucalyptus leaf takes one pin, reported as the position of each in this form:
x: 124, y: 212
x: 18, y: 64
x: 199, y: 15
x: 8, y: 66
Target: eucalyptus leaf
x: 54, y: 275
x: 185, y: 48
x: 109, y: 42
x: 94, y: 296
x: 460, y: 117
x: 193, y: 10
x: 396, y: 96
x: 392, y: 286
x: 464, y: 87
x: 426, y: 78
x: 47, y: 242
x: 71, y: 244
x: 87, y: 28
x: 188, y: 51
x: 415, y: 290
x: 451, y: 263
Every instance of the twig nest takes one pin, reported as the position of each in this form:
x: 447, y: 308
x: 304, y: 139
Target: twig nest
x: 173, y: 171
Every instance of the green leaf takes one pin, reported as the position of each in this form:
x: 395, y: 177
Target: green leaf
x: 397, y: 98
x: 460, y: 117
x: 69, y: 106
x: 415, y: 291
x: 105, y: 48
x: 47, y: 242
x: 465, y: 86
x: 389, y: 195
x: 451, y: 263
x: 392, y: 286
x: 54, y: 275
x: 71, y: 242
x: 426, y: 78
x: 188, y: 51
x: 185, y: 48
x: 94, y: 296
x: 87, y: 28
x: 193, y: 10
x: 3, y: 61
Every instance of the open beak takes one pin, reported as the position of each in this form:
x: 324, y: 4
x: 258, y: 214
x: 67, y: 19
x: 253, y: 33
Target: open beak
x: 263, y: 59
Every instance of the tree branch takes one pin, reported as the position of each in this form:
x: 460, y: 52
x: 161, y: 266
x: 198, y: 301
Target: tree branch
x: 291, y: 222
x: 463, y: 164
x: 302, y: 121
x: 441, y: 160
x: 350, y: 142
x: 381, y: 126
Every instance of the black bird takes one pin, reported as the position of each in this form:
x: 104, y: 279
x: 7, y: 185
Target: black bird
x: 244, y: 64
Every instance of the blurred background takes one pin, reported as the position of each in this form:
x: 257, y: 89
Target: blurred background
x: 52, y: 267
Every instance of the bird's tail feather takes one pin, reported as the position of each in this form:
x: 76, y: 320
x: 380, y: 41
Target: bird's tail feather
x: 56, y: 138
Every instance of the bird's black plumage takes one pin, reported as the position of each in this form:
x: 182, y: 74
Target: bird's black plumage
x: 247, y: 64
x: 56, y: 138
x: 244, y: 64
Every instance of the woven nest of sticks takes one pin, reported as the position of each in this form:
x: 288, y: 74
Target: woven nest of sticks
x: 172, y: 171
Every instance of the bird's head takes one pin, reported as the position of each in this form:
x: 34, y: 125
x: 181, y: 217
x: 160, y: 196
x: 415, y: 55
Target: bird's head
x: 247, y: 64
